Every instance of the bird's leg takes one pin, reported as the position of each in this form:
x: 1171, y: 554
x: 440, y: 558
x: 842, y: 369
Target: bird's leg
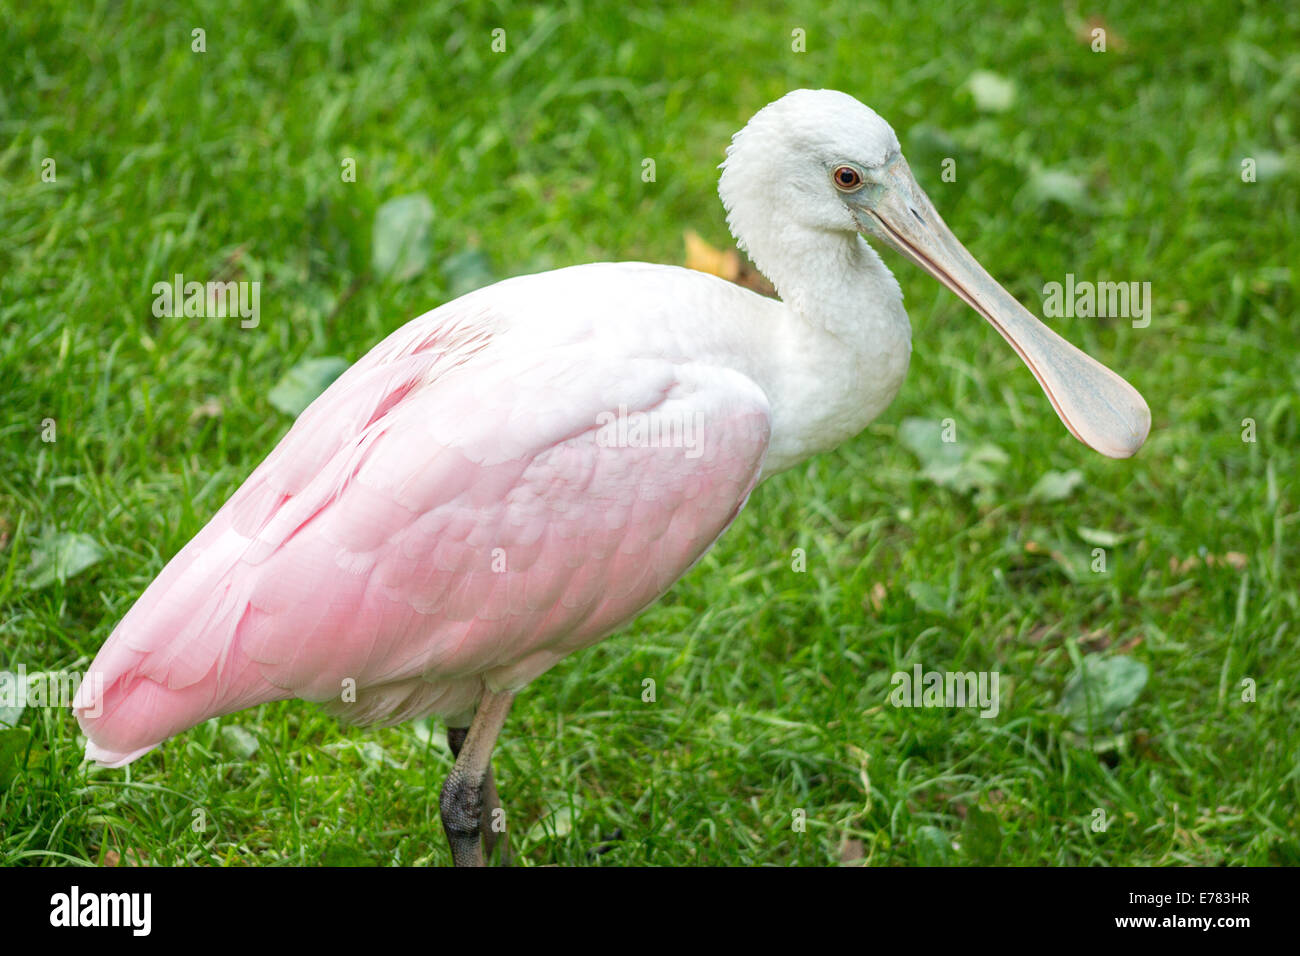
x: 462, y: 801
x: 491, y: 802
x: 456, y: 740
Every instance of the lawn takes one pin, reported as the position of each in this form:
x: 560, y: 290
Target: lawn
x: 1172, y: 157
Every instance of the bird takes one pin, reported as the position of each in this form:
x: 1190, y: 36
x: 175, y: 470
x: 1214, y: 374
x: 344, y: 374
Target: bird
x: 514, y: 475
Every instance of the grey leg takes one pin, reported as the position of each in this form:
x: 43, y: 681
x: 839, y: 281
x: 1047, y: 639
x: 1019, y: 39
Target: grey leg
x: 464, y: 804
x: 456, y: 739
x: 491, y: 802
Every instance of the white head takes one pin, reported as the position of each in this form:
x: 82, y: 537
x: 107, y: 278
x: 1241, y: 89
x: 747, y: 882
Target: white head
x: 816, y: 168
x: 779, y: 168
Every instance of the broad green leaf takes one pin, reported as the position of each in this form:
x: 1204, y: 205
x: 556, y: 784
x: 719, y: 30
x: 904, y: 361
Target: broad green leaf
x: 239, y: 741
x: 1268, y: 165
x: 983, y: 467
x: 1070, y: 556
x: 346, y: 854
x: 429, y: 734
x: 993, y: 93
x: 928, y: 146
x: 303, y: 383
x: 1056, y: 485
x: 928, y: 597
x: 956, y: 465
x: 1045, y: 186
x: 1100, y: 537
x: 403, y: 237
x: 553, y: 826
x: 933, y: 848
x: 924, y: 438
x: 981, y: 837
x: 375, y: 756
x: 1100, y: 690
x: 467, y: 271
x: 60, y: 555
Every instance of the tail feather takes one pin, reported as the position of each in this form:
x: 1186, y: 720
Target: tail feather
x: 158, y: 675
x: 200, y: 641
x: 112, y: 758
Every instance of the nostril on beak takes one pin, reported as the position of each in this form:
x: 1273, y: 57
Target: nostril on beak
x: 917, y: 215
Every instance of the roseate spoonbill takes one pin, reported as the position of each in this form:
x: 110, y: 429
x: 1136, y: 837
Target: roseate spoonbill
x: 451, y: 517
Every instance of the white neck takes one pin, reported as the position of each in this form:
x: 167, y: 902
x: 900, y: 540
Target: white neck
x: 833, y: 280
x: 842, y: 345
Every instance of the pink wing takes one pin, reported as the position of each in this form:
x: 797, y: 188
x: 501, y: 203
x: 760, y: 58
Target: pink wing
x: 450, y: 514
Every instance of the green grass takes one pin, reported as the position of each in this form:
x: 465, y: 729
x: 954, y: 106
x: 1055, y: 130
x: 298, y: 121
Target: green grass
x: 772, y: 685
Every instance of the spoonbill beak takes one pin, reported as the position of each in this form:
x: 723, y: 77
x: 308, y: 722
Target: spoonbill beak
x: 1098, y: 407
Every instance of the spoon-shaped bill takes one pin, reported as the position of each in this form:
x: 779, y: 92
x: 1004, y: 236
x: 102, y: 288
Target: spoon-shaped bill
x: 1097, y: 406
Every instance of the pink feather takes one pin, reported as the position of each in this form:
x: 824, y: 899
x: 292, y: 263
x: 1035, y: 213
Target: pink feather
x: 444, y: 518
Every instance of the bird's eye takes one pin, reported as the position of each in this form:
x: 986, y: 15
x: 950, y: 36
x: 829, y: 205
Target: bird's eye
x: 847, y: 178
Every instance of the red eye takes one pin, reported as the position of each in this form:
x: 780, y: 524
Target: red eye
x: 846, y: 177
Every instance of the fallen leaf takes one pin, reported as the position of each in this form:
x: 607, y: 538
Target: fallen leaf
x: 725, y: 264
x: 1095, y: 641
x: 1128, y: 645
x: 1070, y: 557
x: 933, y: 848
x: 1084, y: 34
x: 1039, y: 633
x: 1232, y: 559
x: 1056, y: 485
x: 702, y: 257
x: 755, y: 281
x: 981, y: 836
x: 129, y: 858
x: 60, y: 555
x: 556, y: 824
x: 992, y: 92
x: 302, y: 384
x: 1100, y: 537
x: 467, y: 271
x: 212, y: 408
x: 877, y: 596
x: 1100, y: 690
x: 1268, y: 164
x: 241, y: 743
x: 402, y: 241
x: 928, y: 597
x: 852, y: 851
x: 346, y: 854
x: 1045, y: 186
x: 958, y: 466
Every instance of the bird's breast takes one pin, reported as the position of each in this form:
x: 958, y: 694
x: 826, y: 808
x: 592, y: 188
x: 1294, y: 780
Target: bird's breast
x: 830, y: 389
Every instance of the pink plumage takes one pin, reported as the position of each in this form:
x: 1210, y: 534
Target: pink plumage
x: 448, y: 516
